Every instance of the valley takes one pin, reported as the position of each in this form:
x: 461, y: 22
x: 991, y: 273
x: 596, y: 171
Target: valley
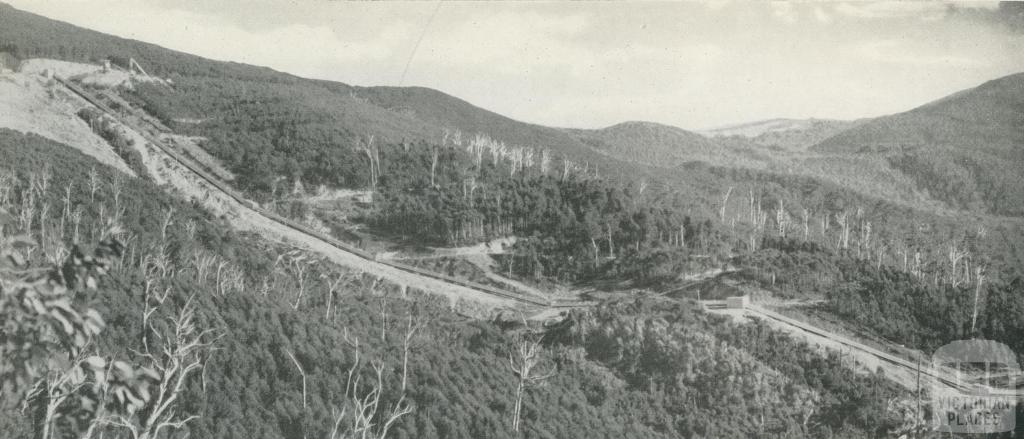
x: 215, y: 249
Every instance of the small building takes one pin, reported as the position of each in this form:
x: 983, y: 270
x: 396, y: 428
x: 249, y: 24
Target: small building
x: 737, y: 302
x: 8, y: 63
x: 364, y: 197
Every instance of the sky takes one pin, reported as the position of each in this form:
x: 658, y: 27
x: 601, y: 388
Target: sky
x: 591, y: 65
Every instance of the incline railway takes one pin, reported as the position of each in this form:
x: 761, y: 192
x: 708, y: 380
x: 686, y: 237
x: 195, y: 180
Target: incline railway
x: 344, y: 246
x: 892, y: 364
x: 948, y: 377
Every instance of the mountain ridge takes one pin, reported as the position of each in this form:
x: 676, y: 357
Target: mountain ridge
x: 966, y: 149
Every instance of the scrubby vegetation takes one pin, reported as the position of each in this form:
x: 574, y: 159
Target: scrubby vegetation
x: 923, y: 308
x: 266, y: 339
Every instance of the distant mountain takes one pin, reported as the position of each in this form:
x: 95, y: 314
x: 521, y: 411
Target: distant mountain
x: 966, y: 149
x: 988, y: 118
x: 757, y: 128
x: 662, y: 145
x: 784, y: 134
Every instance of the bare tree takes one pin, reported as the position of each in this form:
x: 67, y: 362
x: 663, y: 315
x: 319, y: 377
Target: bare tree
x: 524, y: 357
x: 915, y: 268
x: 362, y: 407
x: 183, y: 352
x: 781, y: 219
x: 301, y: 372
x: 844, y: 233
x: 382, y: 304
x: 864, y: 245
x: 725, y: 201
x: 545, y: 161
x: 373, y: 154
x: 979, y: 276
x: 433, y: 165
x: 413, y: 325
x: 807, y: 227
x: 7, y: 183
x: 76, y: 219
x: 116, y: 188
x: 65, y: 213
x: 296, y: 263
x: 166, y: 223
x: 152, y: 302
x: 955, y: 254
x: 202, y: 263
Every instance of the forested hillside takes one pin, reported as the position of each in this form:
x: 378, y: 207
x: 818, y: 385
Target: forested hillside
x: 966, y: 149
x: 665, y: 146
x: 282, y: 336
x: 572, y: 224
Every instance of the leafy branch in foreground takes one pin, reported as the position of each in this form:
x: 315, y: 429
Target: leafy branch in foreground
x: 45, y: 365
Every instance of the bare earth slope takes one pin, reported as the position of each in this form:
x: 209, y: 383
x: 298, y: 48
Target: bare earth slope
x: 29, y: 105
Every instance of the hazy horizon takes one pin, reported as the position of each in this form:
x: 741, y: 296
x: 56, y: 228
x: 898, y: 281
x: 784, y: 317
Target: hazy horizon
x: 590, y: 65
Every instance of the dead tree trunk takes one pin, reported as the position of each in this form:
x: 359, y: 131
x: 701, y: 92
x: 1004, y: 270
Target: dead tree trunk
x: 725, y: 201
x: 807, y: 228
x: 979, y: 276
x: 433, y: 166
x: 955, y: 255
x: 524, y: 356
x: 185, y: 351
x: 301, y: 372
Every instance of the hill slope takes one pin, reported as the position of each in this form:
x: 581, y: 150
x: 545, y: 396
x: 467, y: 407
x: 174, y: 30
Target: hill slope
x: 662, y: 145
x: 987, y: 118
x: 459, y: 383
x: 279, y: 113
x: 966, y: 149
x: 266, y: 126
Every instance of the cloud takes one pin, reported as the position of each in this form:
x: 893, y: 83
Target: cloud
x: 822, y: 16
x: 1005, y: 15
x: 897, y: 52
x: 784, y: 11
x: 879, y: 10
x: 509, y: 39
